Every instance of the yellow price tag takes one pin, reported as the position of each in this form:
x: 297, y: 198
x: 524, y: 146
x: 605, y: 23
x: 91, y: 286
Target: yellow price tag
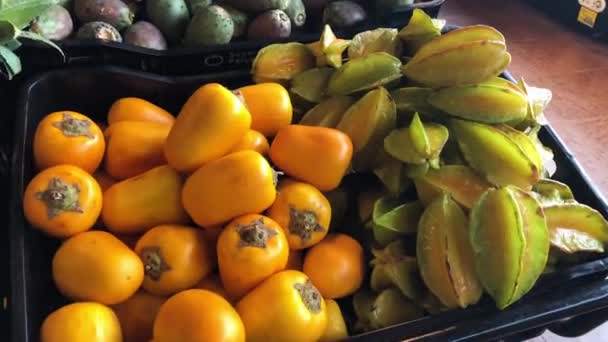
x: 587, y: 16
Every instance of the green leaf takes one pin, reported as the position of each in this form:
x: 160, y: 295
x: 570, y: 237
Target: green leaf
x: 10, y: 61
x: 39, y: 38
x: 21, y: 12
x: 8, y: 32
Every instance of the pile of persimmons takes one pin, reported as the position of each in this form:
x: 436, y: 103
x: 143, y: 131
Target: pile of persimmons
x: 179, y: 229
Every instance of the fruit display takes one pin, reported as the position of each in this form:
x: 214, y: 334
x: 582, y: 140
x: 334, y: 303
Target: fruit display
x: 326, y: 198
x: 162, y: 24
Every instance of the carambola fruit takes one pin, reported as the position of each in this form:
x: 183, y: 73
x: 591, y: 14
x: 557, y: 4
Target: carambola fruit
x: 486, y: 103
x: 367, y: 122
x: 391, y: 173
x: 410, y: 100
x: 328, y: 50
x: 576, y: 227
x: 378, y: 40
x: 391, y: 219
x: 365, y: 73
x: 400, y: 143
x: 420, y: 30
x: 495, y: 155
x: 510, y: 238
x: 549, y: 191
x: 328, y: 113
x: 387, y: 308
x: 282, y: 61
x: 461, y: 182
x: 469, y: 55
x: 311, y: 85
x: 391, y: 267
x: 445, y: 256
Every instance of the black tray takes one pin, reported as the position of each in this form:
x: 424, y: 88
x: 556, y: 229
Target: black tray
x: 569, y: 13
x: 92, y: 90
x: 186, y: 61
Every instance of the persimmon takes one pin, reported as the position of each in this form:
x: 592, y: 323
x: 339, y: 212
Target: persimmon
x: 136, y: 109
x: 175, y: 258
x: 336, y: 266
x: 250, y: 249
x: 96, y: 266
x: 270, y: 106
x: 198, y: 316
x: 302, y: 211
x: 68, y: 138
x: 62, y: 201
x: 316, y: 155
x: 84, y: 321
x: 284, y: 307
x: 210, y: 124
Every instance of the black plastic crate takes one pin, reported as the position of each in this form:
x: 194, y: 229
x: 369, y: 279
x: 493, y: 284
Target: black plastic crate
x: 559, y: 295
x: 587, y: 16
x: 184, y: 61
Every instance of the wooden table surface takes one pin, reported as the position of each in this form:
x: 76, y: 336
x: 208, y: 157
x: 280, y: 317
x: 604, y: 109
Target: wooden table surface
x: 550, y: 55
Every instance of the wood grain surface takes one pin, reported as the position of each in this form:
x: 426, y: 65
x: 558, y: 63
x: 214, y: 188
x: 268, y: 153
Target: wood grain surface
x: 551, y: 55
